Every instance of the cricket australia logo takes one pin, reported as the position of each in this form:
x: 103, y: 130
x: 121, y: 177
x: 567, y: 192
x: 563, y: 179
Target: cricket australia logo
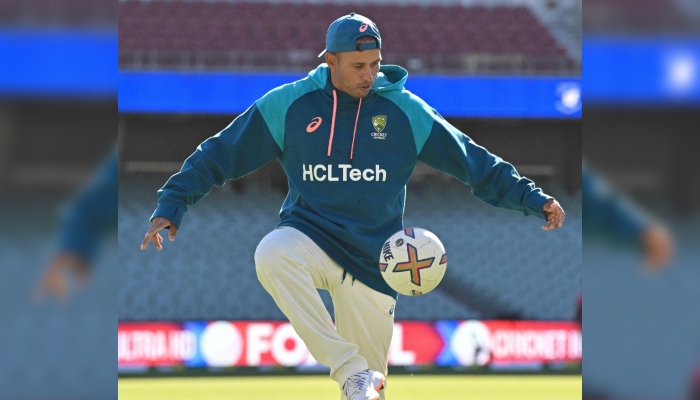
x: 379, y: 122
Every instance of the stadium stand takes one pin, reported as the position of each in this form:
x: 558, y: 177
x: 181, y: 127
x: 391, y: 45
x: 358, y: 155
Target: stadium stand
x: 199, y: 35
x: 74, y: 13
x: 498, y: 266
x: 643, y: 16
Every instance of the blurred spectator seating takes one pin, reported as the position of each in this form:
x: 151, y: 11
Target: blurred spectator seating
x: 220, y: 35
x: 638, y: 16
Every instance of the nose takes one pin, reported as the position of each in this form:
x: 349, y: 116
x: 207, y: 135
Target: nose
x: 367, y: 74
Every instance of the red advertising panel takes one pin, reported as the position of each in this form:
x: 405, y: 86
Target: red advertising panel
x: 528, y: 341
x: 153, y: 344
x: 414, y: 343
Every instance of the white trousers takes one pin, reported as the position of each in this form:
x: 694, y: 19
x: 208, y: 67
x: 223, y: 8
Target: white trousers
x: 291, y: 267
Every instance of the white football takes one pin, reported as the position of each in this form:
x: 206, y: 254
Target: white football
x: 413, y: 261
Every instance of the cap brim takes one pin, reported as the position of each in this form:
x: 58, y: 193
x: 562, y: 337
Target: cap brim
x: 322, y: 53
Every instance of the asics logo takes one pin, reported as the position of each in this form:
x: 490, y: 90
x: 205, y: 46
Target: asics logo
x: 363, y: 27
x: 315, y: 123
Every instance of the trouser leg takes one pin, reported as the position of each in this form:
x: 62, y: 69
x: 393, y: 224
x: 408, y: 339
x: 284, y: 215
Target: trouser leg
x: 290, y: 267
x: 365, y: 317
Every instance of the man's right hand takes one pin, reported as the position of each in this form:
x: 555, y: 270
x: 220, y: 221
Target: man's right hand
x: 658, y: 247
x: 157, y: 224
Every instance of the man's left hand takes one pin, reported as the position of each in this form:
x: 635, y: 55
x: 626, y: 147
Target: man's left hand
x: 554, y: 213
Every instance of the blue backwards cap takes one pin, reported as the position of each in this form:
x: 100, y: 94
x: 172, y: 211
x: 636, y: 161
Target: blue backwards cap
x: 344, y: 32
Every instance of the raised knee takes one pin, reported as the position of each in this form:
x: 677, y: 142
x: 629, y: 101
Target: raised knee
x: 269, y: 252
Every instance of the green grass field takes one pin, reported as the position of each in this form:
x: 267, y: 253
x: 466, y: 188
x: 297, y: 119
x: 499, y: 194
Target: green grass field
x: 401, y: 387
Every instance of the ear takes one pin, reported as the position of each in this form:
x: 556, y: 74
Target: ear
x: 332, y: 61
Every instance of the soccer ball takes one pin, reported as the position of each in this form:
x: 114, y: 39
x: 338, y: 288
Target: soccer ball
x: 413, y: 261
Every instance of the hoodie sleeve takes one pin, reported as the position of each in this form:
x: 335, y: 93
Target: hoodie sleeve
x: 492, y: 180
x: 91, y: 213
x: 609, y: 217
x: 242, y: 147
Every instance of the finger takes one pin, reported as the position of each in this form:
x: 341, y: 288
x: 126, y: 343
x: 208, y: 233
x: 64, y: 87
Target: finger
x: 156, y: 243
x: 172, y: 232
x: 56, y: 286
x: 555, y: 219
x: 551, y: 222
x: 157, y: 225
x: 146, y: 239
x: 557, y: 222
x: 48, y: 285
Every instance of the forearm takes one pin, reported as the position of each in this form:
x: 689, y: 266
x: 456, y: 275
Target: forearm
x: 241, y: 148
x: 492, y: 180
x: 92, y: 212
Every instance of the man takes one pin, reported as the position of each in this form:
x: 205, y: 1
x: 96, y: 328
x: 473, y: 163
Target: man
x: 348, y: 137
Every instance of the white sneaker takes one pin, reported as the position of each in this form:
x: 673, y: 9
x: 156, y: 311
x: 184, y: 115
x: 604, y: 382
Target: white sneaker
x: 377, y: 380
x: 363, y: 385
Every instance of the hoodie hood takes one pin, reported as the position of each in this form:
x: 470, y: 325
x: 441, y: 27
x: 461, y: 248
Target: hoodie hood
x: 390, y: 77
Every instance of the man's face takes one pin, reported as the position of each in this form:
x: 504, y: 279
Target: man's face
x: 354, y: 72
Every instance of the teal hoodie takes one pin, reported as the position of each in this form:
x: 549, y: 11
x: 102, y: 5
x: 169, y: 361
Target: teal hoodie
x: 347, y: 162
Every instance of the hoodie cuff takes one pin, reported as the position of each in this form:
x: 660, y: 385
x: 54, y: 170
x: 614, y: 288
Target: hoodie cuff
x: 534, y: 202
x: 80, y: 241
x: 170, y: 211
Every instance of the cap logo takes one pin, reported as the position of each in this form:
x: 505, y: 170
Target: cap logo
x: 363, y: 27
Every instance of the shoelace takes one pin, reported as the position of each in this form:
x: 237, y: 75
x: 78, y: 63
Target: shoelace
x: 354, y: 384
